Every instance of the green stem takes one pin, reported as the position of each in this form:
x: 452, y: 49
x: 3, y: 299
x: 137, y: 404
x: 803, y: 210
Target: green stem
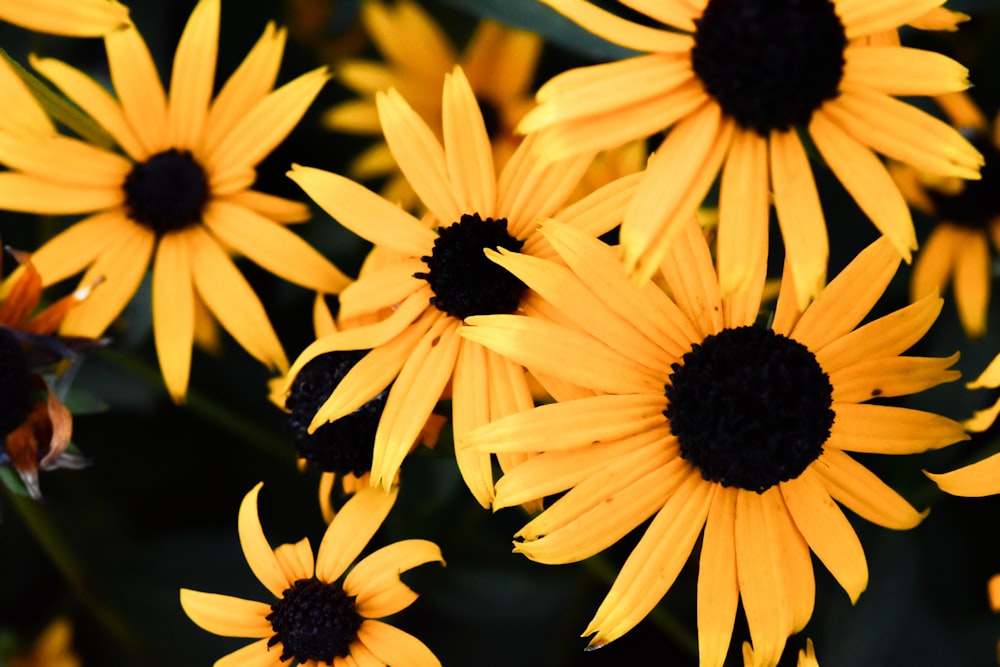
x: 673, y: 628
x: 58, y: 550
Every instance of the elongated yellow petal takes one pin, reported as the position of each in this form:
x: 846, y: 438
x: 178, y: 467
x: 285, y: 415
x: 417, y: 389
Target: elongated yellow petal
x: 744, y: 208
x: 351, y: 530
x: 418, y: 387
x: 375, y: 580
x: 258, y: 654
x: 64, y: 160
x: 655, y: 562
x: 364, y: 212
x: 394, y: 647
x: 827, y: 531
x: 800, y: 215
x: 861, y: 17
x: 882, y: 429
x: 470, y: 408
x: 866, y: 179
x: 225, y: 615
x: 849, y: 297
x: 718, y: 587
x: 691, y: 278
x: 860, y: 490
x: 580, y: 525
x: 31, y: 194
x: 500, y: 62
x: 173, y: 312
x: 23, y: 114
x: 93, y: 99
x: 71, y: 251
x: 932, y: 270
x: 981, y: 478
x: 972, y: 283
x: 896, y: 70
x: 674, y: 14
x: 381, y: 288
x: 893, y: 376
x: 139, y: 89
x: 387, y: 24
x: 247, y: 86
x: 467, y: 146
x: 193, y: 75
x: 259, y: 555
x: 618, y: 30
x: 564, y: 353
x: 261, y: 128
x: 233, y: 302
x: 79, y: 18
x: 296, y: 560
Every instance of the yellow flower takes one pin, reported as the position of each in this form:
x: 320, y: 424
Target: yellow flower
x: 708, y: 422
x: 315, y: 619
x: 736, y: 86
x: 54, y: 648
x: 969, y: 219
x: 499, y: 63
x: 440, y: 275
x: 75, y: 18
x: 180, y: 197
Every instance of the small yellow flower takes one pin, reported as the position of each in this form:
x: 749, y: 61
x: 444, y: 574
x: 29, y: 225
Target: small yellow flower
x: 315, y: 619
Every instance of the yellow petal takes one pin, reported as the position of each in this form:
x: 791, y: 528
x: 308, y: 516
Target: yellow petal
x: 259, y: 555
x: 395, y: 647
x: 618, y: 30
x: 296, y: 560
x: 718, y: 588
x: 258, y: 654
x: 64, y: 160
x: 193, y: 75
x: 278, y: 209
x: 74, y: 249
x: 139, y: 89
x: 974, y: 480
x: 30, y: 194
x: 896, y: 70
x: 225, y: 615
x: 892, y: 376
x: 655, y: 562
x: 692, y: 280
x: 364, y: 212
x: 972, y: 283
x: 80, y: 18
x: 744, y: 208
x: 173, y: 312
x: 882, y: 429
x: 232, y: 300
x: 375, y: 580
x: 381, y: 288
x: 827, y: 531
x: 864, y: 17
x: 467, y: 146
x: 470, y: 408
x: 860, y: 490
x: 351, y: 530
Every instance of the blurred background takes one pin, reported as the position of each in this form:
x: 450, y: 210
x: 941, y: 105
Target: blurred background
x: 109, y: 546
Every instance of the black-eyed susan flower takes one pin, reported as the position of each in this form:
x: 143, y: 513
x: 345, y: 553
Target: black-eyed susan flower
x: 440, y: 275
x: 35, y: 425
x: 736, y: 81
x: 317, y: 618
x: 712, y: 424
x: 178, y: 198
x: 498, y: 61
x: 74, y: 18
x: 968, y: 213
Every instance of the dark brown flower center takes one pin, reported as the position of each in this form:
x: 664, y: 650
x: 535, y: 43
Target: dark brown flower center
x: 314, y: 620
x: 750, y: 407
x: 167, y: 192
x: 464, y: 280
x: 770, y: 63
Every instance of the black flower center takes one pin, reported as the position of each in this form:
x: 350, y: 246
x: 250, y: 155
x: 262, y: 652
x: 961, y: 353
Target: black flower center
x: 342, y: 446
x: 15, y: 383
x: 314, y: 620
x: 750, y: 407
x: 978, y: 203
x: 769, y: 63
x: 464, y: 281
x: 167, y: 192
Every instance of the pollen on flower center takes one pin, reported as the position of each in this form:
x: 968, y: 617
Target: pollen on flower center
x: 167, y: 192
x: 342, y: 446
x: 750, y: 407
x: 769, y: 63
x: 464, y: 280
x: 15, y: 384
x: 314, y: 621
x: 977, y: 204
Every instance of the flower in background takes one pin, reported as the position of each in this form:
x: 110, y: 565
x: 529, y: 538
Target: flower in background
x: 441, y: 276
x: 709, y: 422
x: 315, y: 618
x: 807, y: 656
x: 734, y: 87
x: 179, y: 198
x: 53, y: 648
x: 499, y: 63
x: 35, y: 425
x: 958, y: 249
x: 74, y: 18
